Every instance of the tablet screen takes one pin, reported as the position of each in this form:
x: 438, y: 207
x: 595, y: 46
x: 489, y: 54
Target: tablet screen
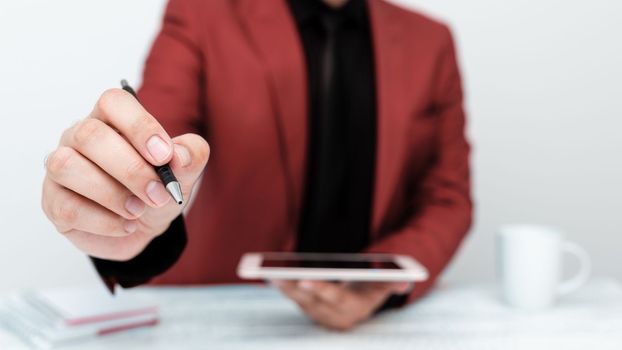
x: 330, y: 264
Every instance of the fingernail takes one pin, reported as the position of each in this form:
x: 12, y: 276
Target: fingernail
x: 158, y: 148
x: 45, y: 161
x: 305, y: 285
x: 277, y: 283
x: 157, y: 193
x: 183, y: 155
x: 135, y: 206
x: 403, y: 287
x: 130, y: 226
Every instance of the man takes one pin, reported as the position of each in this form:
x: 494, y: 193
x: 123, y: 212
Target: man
x: 334, y: 126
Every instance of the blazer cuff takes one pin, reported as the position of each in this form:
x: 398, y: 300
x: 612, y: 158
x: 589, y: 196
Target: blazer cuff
x: 157, y: 257
x: 394, y: 301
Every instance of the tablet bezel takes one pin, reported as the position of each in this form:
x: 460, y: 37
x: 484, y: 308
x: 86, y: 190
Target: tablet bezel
x: 250, y: 267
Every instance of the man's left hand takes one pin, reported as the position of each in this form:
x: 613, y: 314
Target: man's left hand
x: 340, y: 306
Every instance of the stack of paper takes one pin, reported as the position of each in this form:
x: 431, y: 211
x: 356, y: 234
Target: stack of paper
x: 58, y: 316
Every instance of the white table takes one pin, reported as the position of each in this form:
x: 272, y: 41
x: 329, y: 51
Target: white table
x: 452, y: 317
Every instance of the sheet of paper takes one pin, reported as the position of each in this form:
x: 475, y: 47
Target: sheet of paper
x: 89, y: 304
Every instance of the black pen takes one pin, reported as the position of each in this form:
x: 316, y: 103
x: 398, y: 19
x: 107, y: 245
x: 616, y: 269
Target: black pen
x: 164, y: 171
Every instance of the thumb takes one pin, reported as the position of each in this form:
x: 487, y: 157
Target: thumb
x: 401, y: 287
x: 190, y: 156
x: 392, y: 287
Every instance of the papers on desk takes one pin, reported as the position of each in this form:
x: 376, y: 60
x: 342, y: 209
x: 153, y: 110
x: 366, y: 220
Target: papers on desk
x: 58, y: 316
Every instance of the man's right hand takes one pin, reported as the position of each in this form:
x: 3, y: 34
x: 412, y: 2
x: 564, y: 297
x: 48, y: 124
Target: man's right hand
x: 100, y: 188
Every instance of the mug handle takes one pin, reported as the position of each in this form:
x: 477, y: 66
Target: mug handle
x: 582, y: 275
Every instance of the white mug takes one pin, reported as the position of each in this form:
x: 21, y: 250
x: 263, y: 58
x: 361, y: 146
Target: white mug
x: 529, y: 259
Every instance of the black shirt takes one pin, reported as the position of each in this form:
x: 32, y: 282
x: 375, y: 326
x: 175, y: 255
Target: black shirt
x: 336, y: 211
x: 341, y: 154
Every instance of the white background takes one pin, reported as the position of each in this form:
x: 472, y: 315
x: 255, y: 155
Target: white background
x: 543, y: 81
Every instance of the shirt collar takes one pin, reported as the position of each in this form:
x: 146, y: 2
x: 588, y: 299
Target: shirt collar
x: 305, y: 10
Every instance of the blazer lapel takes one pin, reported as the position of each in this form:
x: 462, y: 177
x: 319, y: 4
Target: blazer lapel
x: 273, y: 34
x: 392, y: 115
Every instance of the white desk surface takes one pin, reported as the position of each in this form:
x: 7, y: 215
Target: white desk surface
x: 452, y: 317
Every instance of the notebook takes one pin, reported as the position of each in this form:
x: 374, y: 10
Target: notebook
x: 56, y: 316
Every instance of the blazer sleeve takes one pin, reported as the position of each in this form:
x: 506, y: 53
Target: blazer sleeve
x: 159, y: 255
x: 443, y: 205
x: 171, y: 91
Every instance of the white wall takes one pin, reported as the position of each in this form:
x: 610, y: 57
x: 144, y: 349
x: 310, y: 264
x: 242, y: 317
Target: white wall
x: 56, y: 57
x: 543, y: 96
x: 544, y: 100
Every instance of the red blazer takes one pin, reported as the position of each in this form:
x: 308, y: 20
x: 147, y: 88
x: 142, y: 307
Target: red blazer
x: 233, y: 71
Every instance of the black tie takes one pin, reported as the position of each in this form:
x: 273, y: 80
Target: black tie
x: 326, y: 231
x: 331, y: 124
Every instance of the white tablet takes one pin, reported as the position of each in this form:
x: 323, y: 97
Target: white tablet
x: 331, y: 267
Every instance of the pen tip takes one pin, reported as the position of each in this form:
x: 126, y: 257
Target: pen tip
x: 124, y: 83
x: 175, y: 190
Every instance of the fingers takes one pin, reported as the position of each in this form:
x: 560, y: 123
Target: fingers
x: 315, y: 308
x: 328, y: 292
x: 189, y: 159
x: 292, y: 291
x: 399, y: 287
x: 99, y: 143
x: 342, y: 298
x: 375, y: 293
x: 371, y: 289
x: 110, y: 248
x: 123, y: 112
x: 68, y: 168
x: 69, y: 211
x: 328, y: 316
x: 101, y: 178
x: 308, y: 291
x: 191, y: 153
x: 339, y: 306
